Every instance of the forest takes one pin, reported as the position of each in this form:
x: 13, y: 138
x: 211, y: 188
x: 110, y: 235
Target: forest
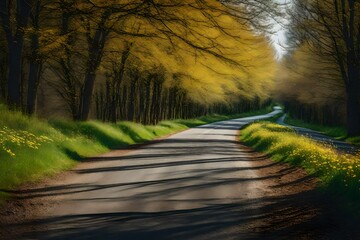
x: 141, y: 61
x: 146, y: 61
x: 319, y: 78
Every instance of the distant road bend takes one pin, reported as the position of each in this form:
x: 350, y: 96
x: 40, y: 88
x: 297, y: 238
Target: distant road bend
x: 341, y: 146
x: 197, y: 184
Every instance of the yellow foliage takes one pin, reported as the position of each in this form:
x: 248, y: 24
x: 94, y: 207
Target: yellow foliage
x: 311, y: 79
x: 234, y: 60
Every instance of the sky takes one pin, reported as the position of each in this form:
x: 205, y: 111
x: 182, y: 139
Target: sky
x: 279, y: 41
x: 279, y: 35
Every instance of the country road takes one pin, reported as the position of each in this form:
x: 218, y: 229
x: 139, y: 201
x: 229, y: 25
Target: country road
x: 197, y: 184
x: 341, y: 146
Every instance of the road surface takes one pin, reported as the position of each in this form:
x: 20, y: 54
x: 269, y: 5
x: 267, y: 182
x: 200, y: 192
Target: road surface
x: 197, y: 184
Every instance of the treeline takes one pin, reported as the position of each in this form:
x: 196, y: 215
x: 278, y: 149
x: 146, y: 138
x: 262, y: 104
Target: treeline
x: 149, y: 101
x: 319, y: 80
x: 311, y: 89
x: 133, y: 60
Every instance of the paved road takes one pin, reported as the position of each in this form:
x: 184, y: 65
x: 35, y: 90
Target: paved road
x: 197, y: 184
x: 339, y: 145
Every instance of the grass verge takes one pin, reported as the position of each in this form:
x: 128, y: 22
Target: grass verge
x: 31, y: 149
x: 337, y: 132
x: 339, y: 173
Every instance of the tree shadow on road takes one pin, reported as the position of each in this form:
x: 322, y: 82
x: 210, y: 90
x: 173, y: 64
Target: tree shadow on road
x: 284, y: 217
x: 291, y: 208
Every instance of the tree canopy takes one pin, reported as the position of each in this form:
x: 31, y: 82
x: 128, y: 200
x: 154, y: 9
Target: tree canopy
x: 207, y: 52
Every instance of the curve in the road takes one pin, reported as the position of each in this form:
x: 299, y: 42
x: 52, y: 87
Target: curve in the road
x: 337, y: 144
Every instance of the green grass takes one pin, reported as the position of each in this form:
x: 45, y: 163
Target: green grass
x: 338, y: 172
x: 31, y: 149
x: 337, y: 132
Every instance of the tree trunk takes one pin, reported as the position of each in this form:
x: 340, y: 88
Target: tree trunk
x: 34, y: 76
x: 141, y: 110
x: 96, y: 49
x: 147, y: 101
x: 353, y: 102
x: 353, y: 115
x: 14, y: 77
x: 67, y: 72
x: 33, y: 83
x: 86, y: 97
x: 89, y: 83
x: 15, y: 42
x: 118, y: 79
x: 131, y: 105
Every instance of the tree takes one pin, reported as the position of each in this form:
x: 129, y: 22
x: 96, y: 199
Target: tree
x: 14, y: 24
x: 165, y: 79
x: 3, y: 67
x: 68, y: 64
x: 169, y: 19
x: 333, y: 29
x: 322, y: 100
x: 74, y: 42
x: 36, y: 61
